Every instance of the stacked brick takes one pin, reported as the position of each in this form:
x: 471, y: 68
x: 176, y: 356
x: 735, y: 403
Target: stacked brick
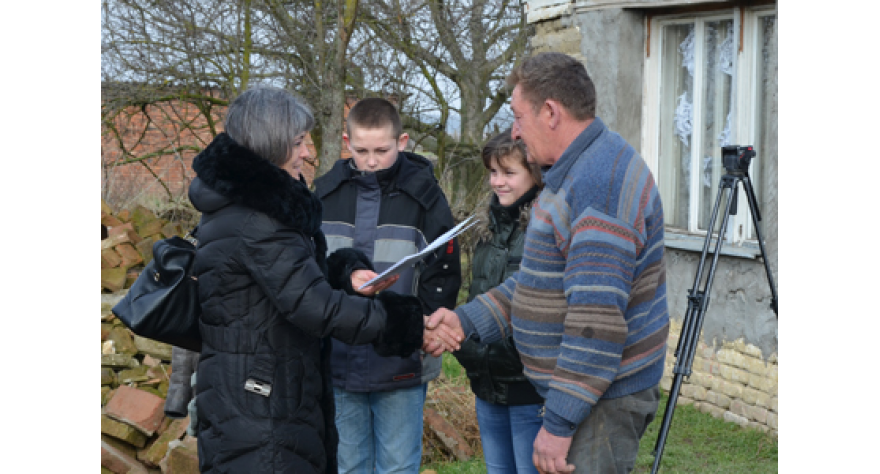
x: 734, y: 382
x: 127, y: 239
x: 136, y: 436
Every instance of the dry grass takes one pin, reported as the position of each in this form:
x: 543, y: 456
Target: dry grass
x: 450, y: 395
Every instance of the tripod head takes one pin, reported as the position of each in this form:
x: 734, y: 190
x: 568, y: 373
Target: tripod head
x: 736, y: 158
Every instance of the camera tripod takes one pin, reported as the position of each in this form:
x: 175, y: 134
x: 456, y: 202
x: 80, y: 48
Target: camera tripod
x: 736, y: 162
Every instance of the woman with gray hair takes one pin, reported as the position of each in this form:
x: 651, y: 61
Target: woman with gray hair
x: 270, y: 300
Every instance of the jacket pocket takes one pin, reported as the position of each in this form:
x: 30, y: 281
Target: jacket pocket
x: 247, y: 403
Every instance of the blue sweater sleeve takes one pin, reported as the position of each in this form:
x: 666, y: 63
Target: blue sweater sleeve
x: 487, y: 317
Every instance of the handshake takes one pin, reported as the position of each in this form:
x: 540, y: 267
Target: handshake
x: 443, y: 332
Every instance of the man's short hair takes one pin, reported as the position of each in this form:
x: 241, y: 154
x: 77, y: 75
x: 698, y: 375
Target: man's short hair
x: 373, y: 113
x: 559, y: 77
x: 267, y: 120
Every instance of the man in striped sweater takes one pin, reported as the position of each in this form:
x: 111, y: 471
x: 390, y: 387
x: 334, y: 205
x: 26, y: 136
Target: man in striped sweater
x: 588, y: 307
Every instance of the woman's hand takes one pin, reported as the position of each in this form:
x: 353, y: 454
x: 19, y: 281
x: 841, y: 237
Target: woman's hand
x: 359, y: 277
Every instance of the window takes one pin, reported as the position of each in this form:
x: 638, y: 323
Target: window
x: 710, y: 81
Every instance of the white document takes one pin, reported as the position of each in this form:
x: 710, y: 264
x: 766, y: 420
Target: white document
x: 412, y: 259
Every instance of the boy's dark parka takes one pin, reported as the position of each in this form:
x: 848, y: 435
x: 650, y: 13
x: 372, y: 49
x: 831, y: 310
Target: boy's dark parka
x: 390, y: 214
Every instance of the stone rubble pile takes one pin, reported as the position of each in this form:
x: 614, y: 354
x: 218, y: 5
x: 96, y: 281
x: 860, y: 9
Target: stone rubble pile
x: 136, y: 436
x: 127, y: 239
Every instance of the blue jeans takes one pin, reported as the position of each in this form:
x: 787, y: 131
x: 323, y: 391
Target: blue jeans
x: 381, y: 430
x: 508, y: 436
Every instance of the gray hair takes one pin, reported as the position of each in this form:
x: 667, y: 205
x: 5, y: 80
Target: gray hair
x: 266, y: 120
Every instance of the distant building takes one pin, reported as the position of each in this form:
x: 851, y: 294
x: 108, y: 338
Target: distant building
x: 176, y: 134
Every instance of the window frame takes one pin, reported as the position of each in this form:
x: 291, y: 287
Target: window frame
x: 744, y: 107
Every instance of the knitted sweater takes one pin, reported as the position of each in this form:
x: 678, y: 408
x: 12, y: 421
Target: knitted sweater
x: 588, y: 306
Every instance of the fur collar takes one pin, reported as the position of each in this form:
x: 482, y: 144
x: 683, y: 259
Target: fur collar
x: 241, y: 176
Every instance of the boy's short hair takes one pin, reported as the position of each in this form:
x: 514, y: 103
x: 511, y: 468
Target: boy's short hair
x: 374, y: 112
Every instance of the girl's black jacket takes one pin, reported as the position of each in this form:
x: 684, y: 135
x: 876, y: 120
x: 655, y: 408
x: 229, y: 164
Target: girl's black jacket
x: 495, y: 370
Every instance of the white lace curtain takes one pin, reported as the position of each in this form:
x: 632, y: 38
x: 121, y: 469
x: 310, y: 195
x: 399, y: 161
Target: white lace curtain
x: 684, y: 112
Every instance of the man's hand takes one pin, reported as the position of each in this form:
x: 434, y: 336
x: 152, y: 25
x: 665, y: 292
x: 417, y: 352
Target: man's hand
x: 550, y: 453
x: 359, y: 277
x: 442, y: 332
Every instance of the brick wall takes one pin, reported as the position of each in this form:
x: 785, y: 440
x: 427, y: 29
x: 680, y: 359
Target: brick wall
x: 734, y: 381
x: 173, y: 126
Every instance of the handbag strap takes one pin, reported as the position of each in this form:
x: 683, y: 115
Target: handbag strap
x: 192, y: 236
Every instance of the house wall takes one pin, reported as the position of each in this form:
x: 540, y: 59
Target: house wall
x: 736, y: 372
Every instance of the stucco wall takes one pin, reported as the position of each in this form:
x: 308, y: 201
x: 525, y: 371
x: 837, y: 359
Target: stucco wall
x: 613, y: 45
x: 739, y: 300
x: 610, y: 43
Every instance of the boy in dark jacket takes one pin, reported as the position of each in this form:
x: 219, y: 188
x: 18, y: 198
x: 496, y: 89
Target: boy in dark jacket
x: 387, y: 203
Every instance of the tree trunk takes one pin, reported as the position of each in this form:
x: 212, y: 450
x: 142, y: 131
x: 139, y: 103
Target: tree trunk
x: 331, y: 130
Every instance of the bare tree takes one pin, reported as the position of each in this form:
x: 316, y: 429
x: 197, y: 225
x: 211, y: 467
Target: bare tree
x: 438, y: 58
x: 158, y: 55
x: 470, y: 44
x: 319, y: 34
x: 162, y: 61
x: 473, y: 44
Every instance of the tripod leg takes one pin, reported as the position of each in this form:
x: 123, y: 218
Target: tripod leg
x: 753, y: 206
x: 667, y: 421
x: 694, y: 294
x: 726, y: 184
x: 717, y: 253
x: 690, y: 333
x: 698, y: 301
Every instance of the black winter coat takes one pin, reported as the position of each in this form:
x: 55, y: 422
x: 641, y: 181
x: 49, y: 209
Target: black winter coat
x: 267, y: 315
x: 495, y: 370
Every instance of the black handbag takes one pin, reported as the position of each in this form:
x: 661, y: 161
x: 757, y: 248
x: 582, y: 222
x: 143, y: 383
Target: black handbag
x: 163, y: 303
